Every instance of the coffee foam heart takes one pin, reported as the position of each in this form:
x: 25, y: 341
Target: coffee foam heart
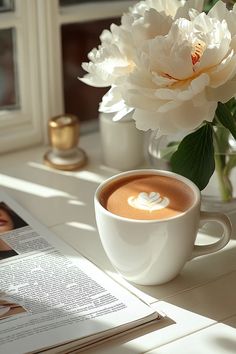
x: 148, y: 201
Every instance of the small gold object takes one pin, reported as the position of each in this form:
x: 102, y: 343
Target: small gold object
x: 64, y: 138
x: 64, y: 132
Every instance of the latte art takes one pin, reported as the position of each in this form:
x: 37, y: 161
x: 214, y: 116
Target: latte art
x: 146, y: 197
x: 148, y: 201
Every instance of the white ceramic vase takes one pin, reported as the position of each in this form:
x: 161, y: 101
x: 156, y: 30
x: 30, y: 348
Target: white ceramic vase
x: 122, y: 143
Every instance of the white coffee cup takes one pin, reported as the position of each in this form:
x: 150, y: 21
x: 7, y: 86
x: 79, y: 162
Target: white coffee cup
x: 150, y: 252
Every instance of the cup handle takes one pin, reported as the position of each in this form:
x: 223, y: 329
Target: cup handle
x: 223, y: 220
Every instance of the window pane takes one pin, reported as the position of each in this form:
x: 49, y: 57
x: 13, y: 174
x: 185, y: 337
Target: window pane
x: 6, y: 5
x: 77, y: 40
x: 8, y: 81
x: 76, y: 2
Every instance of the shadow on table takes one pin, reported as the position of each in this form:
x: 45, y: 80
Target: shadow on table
x: 227, y: 344
x: 123, y: 338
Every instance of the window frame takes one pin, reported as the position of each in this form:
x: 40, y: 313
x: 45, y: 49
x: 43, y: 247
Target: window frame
x: 39, y: 65
x: 22, y: 127
x: 51, y: 64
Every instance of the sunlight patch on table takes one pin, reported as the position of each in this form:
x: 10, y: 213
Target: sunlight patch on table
x: 31, y: 188
x: 76, y: 202
x: 80, y: 225
x: 90, y: 176
x: 41, y: 166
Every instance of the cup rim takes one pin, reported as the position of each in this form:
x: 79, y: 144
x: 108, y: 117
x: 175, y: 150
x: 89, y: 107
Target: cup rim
x: 181, y: 178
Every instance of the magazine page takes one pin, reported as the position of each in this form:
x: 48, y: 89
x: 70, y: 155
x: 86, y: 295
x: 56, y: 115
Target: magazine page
x: 50, y: 294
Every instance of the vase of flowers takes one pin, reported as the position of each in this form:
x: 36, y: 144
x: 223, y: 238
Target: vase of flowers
x: 220, y: 192
x: 173, y: 65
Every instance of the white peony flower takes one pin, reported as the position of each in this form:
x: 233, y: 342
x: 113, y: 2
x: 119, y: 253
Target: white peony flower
x: 117, y: 56
x: 179, y: 78
x: 168, y: 62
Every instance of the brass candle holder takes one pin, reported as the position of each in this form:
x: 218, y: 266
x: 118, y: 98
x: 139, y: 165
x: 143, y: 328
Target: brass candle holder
x: 64, y: 133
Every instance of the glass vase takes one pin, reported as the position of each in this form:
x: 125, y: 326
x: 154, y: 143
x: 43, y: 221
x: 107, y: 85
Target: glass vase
x: 220, y: 193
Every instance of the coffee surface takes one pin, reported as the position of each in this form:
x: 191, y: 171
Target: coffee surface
x: 147, y: 197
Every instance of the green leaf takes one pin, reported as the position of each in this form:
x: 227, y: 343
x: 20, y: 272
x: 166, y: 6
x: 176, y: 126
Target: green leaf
x: 226, y: 118
x: 194, y: 158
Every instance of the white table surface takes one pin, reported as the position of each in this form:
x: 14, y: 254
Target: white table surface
x: 200, y: 303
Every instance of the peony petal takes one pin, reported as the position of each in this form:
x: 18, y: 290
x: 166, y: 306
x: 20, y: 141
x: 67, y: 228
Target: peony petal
x: 218, y: 11
x: 189, y: 6
x: 216, y: 37
x: 145, y: 120
x: 180, y: 120
x: 94, y: 80
x: 177, y: 119
x: 162, y: 81
x: 122, y: 113
x: 166, y: 94
x: 141, y: 99
x: 223, y: 73
x: 112, y: 101
x: 193, y: 88
x: 196, y: 86
x: 169, y: 106
x: 151, y: 25
x: 222, y: 93
x: 170, y: 55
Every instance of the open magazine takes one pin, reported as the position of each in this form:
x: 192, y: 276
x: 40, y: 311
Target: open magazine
x: 52, y: 299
